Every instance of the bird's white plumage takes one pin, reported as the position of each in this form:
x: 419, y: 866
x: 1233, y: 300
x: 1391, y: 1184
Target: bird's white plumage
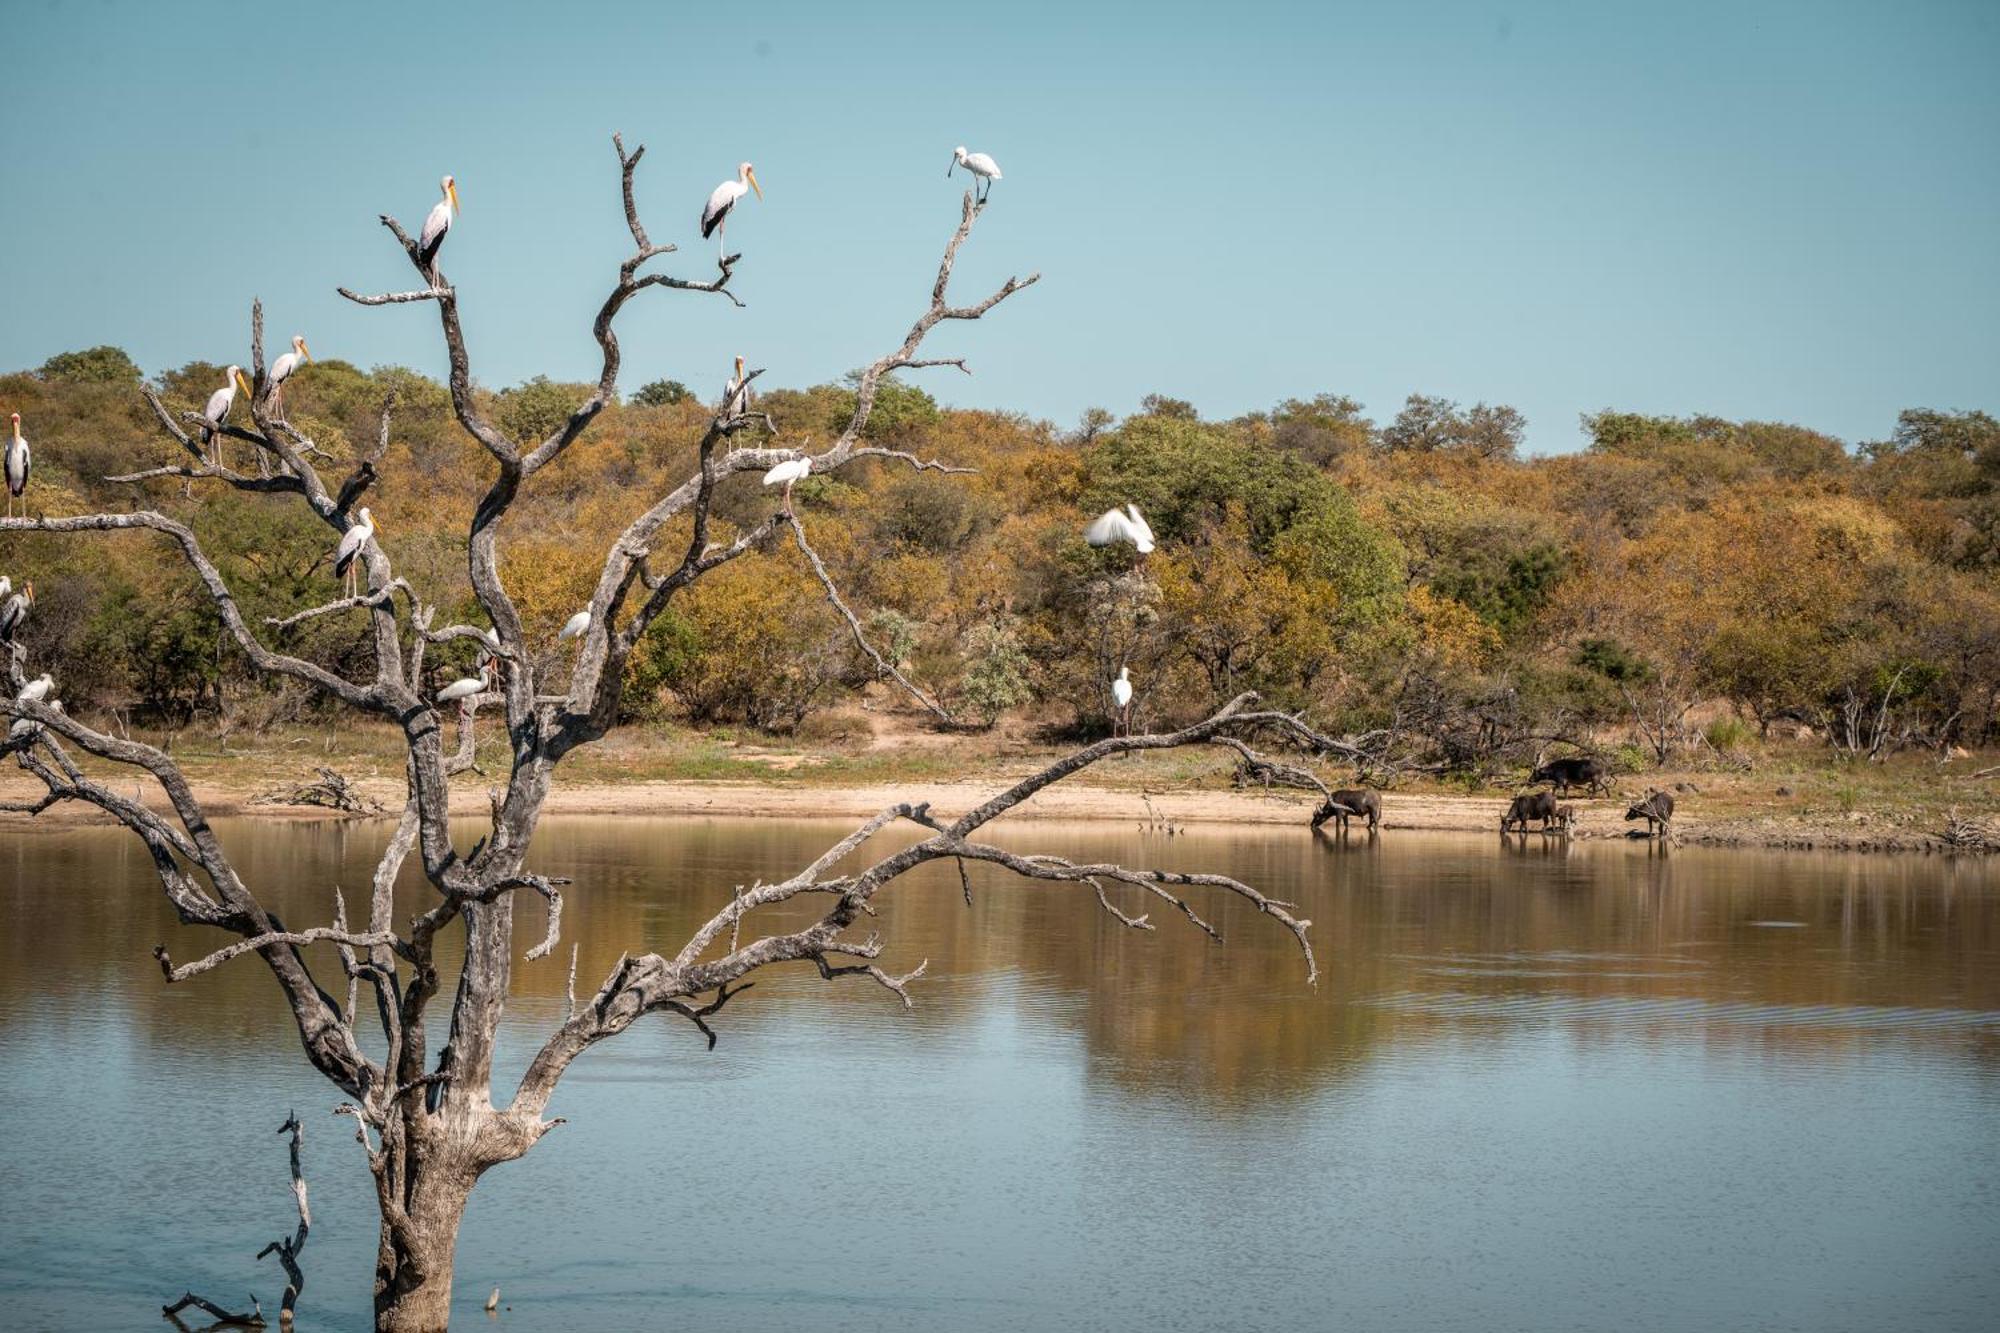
x: 37, y: 689
x: 463, y: 688
x: 17, y: 461
x: 284, y: 366
x: 443, y: 213
x: 575, y: 625
x: 1114, y: 526
x: 789, y: 471
x: 17, y: 465
x: 979, y: 164
x: 736, y: 393
x: 6, y: 587
x: 222, y: 399
x: 352, y: 540
x: 12, y: 613
x: 724, y: 196
x: 1121, y: 689
x: 15, y: 610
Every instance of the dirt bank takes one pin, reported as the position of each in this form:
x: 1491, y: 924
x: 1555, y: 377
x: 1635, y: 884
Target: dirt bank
x: 1728, y: 826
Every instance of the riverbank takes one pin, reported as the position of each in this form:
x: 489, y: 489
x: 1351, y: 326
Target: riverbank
x: 1788, y: 798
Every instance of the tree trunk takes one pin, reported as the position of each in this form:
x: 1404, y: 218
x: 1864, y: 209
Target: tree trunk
x: 413, y: 1266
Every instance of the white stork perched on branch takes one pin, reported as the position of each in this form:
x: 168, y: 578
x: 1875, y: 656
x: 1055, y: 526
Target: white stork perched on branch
x: 715, y: 213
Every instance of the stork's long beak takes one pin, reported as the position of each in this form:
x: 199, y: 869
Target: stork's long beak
x: 456, y: 207
x: 242, y: 383
x: 304, y: 350
x: 751, y: 176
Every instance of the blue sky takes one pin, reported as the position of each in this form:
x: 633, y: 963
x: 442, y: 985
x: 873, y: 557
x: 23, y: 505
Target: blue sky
x: 1781, y: 211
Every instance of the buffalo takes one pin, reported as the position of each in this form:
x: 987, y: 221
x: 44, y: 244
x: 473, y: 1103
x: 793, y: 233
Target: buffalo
x: 1588, y: 772
x: 1566, y: 818
x: 1657, y: 809
x: 1533, y: 805
x: 1341, y: 806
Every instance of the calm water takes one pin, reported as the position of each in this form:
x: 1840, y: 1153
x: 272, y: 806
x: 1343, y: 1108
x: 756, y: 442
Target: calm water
x: 1534, y: 1090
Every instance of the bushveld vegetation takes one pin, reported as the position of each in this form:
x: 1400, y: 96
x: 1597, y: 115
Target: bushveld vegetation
x: 1689, y: 583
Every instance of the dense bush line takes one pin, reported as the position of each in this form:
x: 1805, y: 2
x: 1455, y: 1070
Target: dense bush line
x: 1416, y: 577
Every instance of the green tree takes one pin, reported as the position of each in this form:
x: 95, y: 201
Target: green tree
x: 95, y: 365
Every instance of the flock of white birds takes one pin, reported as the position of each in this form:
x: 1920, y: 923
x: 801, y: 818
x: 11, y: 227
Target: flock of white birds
x: 1127, y: 526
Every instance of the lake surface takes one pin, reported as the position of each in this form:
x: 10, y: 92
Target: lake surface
x: 1537, y: 1088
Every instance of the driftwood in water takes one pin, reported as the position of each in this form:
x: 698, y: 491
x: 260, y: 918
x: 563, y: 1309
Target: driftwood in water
x: 286, y: 1248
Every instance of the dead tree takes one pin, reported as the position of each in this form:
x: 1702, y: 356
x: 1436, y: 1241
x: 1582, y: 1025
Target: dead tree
x: 426, y: 1111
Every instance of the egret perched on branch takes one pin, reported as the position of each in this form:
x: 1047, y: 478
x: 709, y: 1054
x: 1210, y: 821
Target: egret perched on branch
x: 465, y: 686
x: 285, y: 366
x: 576, y: 625
x: 431, y: 239
x: 786, y: 473
x: 983, y: 168
x: 350, y: 546
x: 736, y: 394
x: 715, y: 213
x: 1121, y: 694
x: 218, y: 407
x: 1111, y: 526
x: 36, y: 690
x: 17, y: 460
x: 15, y: 610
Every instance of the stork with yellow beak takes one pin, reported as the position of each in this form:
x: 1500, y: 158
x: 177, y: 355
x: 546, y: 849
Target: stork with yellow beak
x: 736, y: 393
x: 217, y: 410
x: 723, y: 198
x: 443, y: 214
x: 286, y: 366
x: 16, y: 466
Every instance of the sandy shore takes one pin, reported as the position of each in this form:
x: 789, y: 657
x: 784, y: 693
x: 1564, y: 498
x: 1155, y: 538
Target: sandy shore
x: 1077, y: 801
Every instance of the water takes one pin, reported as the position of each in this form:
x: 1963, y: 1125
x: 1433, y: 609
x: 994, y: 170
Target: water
x: 1535, y: 1089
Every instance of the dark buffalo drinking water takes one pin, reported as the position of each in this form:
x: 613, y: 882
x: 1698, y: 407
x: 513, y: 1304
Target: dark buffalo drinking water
x: 1539, y: 1086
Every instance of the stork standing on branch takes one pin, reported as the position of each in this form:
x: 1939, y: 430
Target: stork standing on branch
x: 217, y: 411
x: 715, y: 213
x: 285, y: 367
x: 431, y: 239
x: 736, y: 393
x: 16, y: 463
x: 15, y: 610
x: 348, y: 553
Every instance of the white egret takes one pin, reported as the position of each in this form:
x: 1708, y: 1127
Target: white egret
x: 36, y: 690
x: 6, y: 587
x: 431, y: 239
x: 350, y: 546
x: 983, y: 168
x: 786, y: 473
x: 715, y: 213
x: 465, y: 686
x: 1121, y: 694
x: 1112, y: 526
x: 17, y: 460
x: 218, y: 407
x: 736, y: 394
x: 489, y: 645
x: 15, y: 610
x: 285, y: 366
x: 576, y: 625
